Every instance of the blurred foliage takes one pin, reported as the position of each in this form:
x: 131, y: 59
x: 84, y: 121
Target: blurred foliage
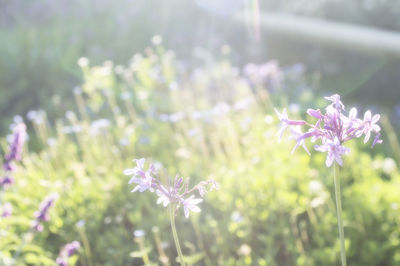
x: 273, y: 208
x: 39, y: 50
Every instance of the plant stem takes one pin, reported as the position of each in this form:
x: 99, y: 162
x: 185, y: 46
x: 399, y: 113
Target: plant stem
x: 86, y: 245
x: 177, y: 245
x: 336, y: 179
x: 142, y: 248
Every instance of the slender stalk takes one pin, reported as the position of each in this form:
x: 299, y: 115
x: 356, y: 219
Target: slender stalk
x: 86, y: 245
x: 163, y: 257
x: 174, y: 233
x: 336, y: 179
x: 142, y: 248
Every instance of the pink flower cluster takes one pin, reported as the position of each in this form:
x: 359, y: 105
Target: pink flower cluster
x: 333, y: 128
x: 176, y: 193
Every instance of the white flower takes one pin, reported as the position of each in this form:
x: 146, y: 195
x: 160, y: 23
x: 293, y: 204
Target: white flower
x: 190, y: 205
x: 162, y: 198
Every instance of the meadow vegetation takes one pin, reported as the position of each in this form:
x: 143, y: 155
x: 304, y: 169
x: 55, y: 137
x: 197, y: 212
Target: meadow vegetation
x: 210, y: 122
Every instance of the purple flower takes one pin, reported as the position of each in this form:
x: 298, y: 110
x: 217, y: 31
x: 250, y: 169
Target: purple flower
x: 138, y: 170
x: 143, y: 183
x: 286, y: 122
x: 38, y: 227
x: 67, y: 251
x: 336, y: 103
x: 142, y: 178
x: 16, y: 143
x: 9, y: 166
x: 176, y: 194
x: 333, y: 129
x: 70, y: 248
x: 370, y: 125
x: 6, y: 181
x: 61, y: 261
x: 334, y: 150
x: 43, y: 213
x: 296, y: 134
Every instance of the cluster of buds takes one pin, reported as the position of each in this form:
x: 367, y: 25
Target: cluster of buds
x: 67, y: 251
x: 177, y: 193
x: 42, y: 214
x: 333, y: 129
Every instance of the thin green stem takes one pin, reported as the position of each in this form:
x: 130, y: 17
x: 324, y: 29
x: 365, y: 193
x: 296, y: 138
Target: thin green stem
x: 174, y: 233
x: 86, y: 245
x: 336, y: 179
x: 145, y: 256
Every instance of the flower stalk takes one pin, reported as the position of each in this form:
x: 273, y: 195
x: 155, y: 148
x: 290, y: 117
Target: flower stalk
x: 176, y: 194
x: 175, y: 235
x: 336, y: 180
x: 333, y: 128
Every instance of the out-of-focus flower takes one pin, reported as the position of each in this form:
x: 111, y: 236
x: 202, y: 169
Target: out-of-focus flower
x: 77, y: 90
x: 98, y: 126
x: 333, y: 129
x: 83, y: 62
x: 243, y: 104
x: 72, y: 129
x: 268, y: 74
x: 16, y: 143
x: 36, y: 116
x: 221, y: 109
x: 236, y: 217
x: 67, y: 251
x: 43, y: 213
x: 80, y: 223
x: 7, y: 210
x: 156, y: 40
x: 139, y: 233
x: 6, y: 181
x: 172, y: 118
x: 51, y: 142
